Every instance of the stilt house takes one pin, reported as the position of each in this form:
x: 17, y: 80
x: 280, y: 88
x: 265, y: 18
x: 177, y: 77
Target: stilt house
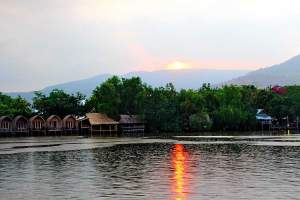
x: 21, y: 125
x: 131, y: 125
x: 37, y: 125
x: 6, y: 125
x: 98, y: 124
x: 70, y: 124
x: 54, y: 124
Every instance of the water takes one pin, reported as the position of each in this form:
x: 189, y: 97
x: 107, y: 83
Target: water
x: 263, y: 167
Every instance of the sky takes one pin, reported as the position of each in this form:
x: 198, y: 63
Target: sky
x: 54, y: 41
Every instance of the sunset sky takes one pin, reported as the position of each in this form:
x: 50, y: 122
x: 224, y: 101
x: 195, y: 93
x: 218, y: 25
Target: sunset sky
x: 54, y: 41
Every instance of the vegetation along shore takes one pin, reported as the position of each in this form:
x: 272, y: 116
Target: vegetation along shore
x: 227, y: 108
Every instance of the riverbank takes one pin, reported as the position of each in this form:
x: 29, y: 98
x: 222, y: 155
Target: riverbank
x: 71, y: 143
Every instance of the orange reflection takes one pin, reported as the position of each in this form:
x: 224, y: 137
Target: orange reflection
x: 180, y: 165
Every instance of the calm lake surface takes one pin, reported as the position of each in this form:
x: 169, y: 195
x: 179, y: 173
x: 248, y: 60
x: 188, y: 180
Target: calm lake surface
x: 231, y: 167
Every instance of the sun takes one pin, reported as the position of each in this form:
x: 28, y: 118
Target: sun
x: 177, y: 65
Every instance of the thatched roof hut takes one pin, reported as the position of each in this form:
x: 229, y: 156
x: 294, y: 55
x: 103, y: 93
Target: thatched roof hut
x: 99, y: 122
x: 37, y: 122
x: 6, y: 124
x: 99, y: 118
x: 54, y: 123
x: 131, y: 124
x: 131, y: 119
x: 21, y: 124
x: 69, y: 122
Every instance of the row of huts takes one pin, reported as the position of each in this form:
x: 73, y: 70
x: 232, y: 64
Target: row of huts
x: 90, y: 123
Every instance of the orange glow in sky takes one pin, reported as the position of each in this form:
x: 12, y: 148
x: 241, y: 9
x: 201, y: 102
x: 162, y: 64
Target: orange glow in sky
x: 177, y: 65
x: 179, y: 163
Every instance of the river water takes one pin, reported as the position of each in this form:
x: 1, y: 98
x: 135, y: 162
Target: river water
x: 231, y: 167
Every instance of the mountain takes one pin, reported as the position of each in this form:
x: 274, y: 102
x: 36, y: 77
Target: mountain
x: 189, y: 78
x: 286, y: 73
x: 85, y: 86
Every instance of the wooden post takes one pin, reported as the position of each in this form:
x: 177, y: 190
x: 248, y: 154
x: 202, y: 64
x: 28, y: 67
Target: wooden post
x: 116, y: 130
x: 110, y: 130
x: 80, y: 127
x: 287, y: 124
x: 297, y: 124
x: 100, y: 128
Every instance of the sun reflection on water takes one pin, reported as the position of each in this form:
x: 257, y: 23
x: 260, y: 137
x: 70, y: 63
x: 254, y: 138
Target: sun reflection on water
x: 180, y: 165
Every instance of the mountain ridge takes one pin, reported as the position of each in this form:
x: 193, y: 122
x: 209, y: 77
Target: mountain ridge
x: 285, y: 73
x: 187, y: 78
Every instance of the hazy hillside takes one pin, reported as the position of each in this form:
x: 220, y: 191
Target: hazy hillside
x: 193, y: 78
x: 286, y: 73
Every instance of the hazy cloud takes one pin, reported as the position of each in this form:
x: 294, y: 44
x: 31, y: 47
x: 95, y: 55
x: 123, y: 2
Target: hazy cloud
x: 47, y: 42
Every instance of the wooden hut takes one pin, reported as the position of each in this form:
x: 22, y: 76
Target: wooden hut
x: 20, y: 125
x: 70, y: 124
x: 37, y: 125
x: 263, y: 119
x: 98, y: 123
x: 54, y: 124
x: 131, y: 125
x: 6, y: 125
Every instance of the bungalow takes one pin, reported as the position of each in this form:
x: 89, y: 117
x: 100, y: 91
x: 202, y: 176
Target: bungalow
x: 131, y: 125
x: 70, y: 125
x: 5, y: 125
x: 37, y: 125
x: 98, y: 123
x: 20, y: 124
x: 54, y: 124
x: 263, y: 117
x: 279, y: 90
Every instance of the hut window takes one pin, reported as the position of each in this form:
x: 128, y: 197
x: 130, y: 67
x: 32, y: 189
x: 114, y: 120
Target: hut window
x: 24, y: 125
x: 20, y: 125
x: 53, y: 124
x: 70, y: 124
x: 37, y: 124
x: 6, y: 125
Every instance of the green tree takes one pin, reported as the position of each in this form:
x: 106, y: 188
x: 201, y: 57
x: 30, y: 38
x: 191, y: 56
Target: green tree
x: 200, y: 122
x: 59, y: 103
x: 132, y: 95
x: 14, y: 106
x: 106, y: 97
x: 190, y: 103
x: 162, y: 109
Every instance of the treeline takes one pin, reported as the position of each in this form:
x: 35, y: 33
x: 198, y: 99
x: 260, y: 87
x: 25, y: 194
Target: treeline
x: 163, y: 108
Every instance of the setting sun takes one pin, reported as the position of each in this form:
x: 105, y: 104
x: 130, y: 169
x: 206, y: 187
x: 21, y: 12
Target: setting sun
x: 176, y: 65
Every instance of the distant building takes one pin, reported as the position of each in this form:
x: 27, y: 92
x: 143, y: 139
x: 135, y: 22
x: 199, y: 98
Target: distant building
x: 263, y: 119
x: 279, y: 90
x: 261, y: 116
x: 131, y: 125
x: 99, y: 124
